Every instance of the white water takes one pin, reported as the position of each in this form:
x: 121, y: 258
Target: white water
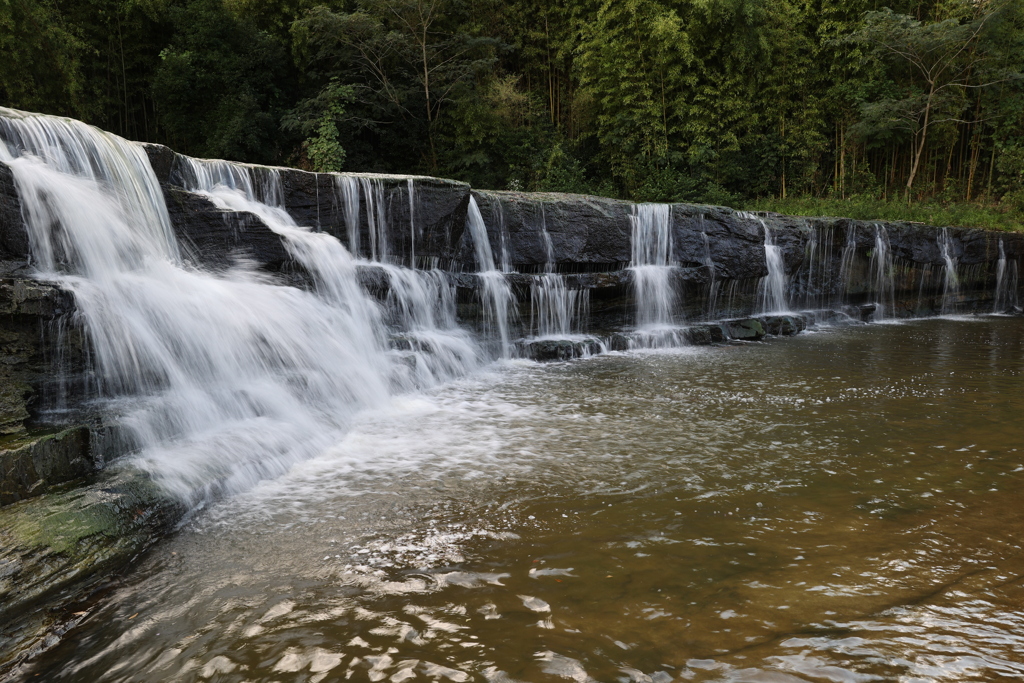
x: 773, y: 286
x: 411, y: 188
x: 881, y: 269
x: 420, y: 308
x: 222, y: 379
x: 555, y: 310
x: 652, y: 266
x: 348, y: 188
x: 496, y: 294
x: 713, y: 282
x: 1006, y: 283
x: 950, y: 282
x: 846, y: 265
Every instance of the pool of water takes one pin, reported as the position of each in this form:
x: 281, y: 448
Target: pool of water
x: 841, y: 506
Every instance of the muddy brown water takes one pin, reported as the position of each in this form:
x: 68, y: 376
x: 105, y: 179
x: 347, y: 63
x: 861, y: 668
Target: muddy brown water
x: 841, y: 506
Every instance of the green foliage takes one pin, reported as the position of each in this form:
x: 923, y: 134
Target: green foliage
x: 220, y: 85
x: 954, y: 214
x: 716, y: 101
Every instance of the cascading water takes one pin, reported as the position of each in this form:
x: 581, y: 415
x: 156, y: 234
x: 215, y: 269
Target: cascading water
x: 1006, y: 283
x: 496, y: 294
x: 773, y: 286
x: 222, y: 379
x: 846, y: 266
x: 411, y: 187
x: 348, y: 188
x: 555, y: 310
x: 950, y: 281
x: 421, y: 309
x: 376, y: 218
x: 652, y: 267
x: 713, y: 282
x: 881, y: 269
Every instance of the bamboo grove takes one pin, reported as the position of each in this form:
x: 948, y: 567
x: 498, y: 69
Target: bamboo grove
x: 656, y: 100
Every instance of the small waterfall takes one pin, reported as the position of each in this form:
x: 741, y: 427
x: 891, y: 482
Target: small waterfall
x: 881, y: 269
x: 651, y: 266
x: 950, y: 282
x: 222, y: 379
x: 846, y: 266
x: 773, y: 285
x: 499, y: 219
x: 496, y: 294
x: 411, y: 187
x: 348, y: 188
x: 555, y: 310
x: 713, y: 282
x: 376, y: 218
x: 1006, y: 283
x: 420, y: 304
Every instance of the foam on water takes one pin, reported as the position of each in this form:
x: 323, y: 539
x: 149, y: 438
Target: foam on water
x: 221, y: 379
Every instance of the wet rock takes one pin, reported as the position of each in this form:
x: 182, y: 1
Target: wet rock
x: 56, y: 548
x: 559, y: 349
x: 699, y: 335
x: 13, y: 235
x: 746, y: 330
x: 215, y: 238
x: 618, y: 342
x: 30, y: 465
x: 35, y: 332
x: 784, y: 325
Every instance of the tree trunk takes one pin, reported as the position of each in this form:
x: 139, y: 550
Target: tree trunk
x: 920, y: 147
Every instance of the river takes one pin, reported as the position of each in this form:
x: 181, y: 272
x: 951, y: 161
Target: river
x: 845, y: 505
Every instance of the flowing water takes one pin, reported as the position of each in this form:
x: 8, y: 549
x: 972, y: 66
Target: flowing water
x: 950, y: 280
x: 881, y: 272
x: 652, y: 271
x: 495, y: 293
x: 773, y: 286
x: 380, y: 505
x: 853, y: 514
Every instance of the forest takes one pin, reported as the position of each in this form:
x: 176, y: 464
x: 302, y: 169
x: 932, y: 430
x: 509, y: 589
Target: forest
x: 855, y: 105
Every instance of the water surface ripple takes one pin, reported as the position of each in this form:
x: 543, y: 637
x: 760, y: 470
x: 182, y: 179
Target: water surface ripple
x: 841, y: 506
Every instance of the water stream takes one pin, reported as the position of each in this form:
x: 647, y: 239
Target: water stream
x: 852, y: 515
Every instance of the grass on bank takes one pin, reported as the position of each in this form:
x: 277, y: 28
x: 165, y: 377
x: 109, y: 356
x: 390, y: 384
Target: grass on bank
x: 963, y: 215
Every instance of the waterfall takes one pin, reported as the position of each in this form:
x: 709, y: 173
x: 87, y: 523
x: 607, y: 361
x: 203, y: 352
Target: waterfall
x: 846, y: 265
x: 411, y: 189
x: 376, y: 218
x: 555, y: 310
x: 651, y: 266
x: 881, y: 268
x: 1006, y: 283
x: 222, y: 379
x: 348, y: 188
x: 499, y: 218
x: 773, y: 286
x: 496, y: 294
x: 713, y: 283
x: 950, y: 282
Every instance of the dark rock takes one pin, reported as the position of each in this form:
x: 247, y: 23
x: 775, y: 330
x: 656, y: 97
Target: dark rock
x: 13, y: 234
x: 784, y: 325
x: 559, y: 349
x: 699, y: 335
x: 718, y: 334
x: 29, y: 466
x: 747, y: 330
x: 161, y: 159
x: 618, y: 342
x: 30, y: 335
x: 215, y: 238
x: 56, y: 548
